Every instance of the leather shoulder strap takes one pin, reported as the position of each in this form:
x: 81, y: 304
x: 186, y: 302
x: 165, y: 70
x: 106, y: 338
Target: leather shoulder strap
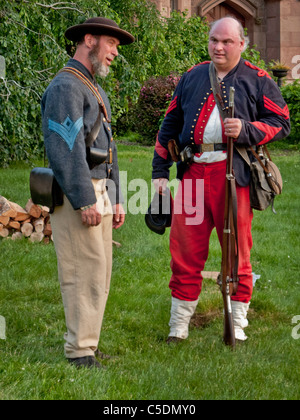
x: 91, y: 137
x: 243, y: 152
x: 217, y: 91
x: 90, y: 85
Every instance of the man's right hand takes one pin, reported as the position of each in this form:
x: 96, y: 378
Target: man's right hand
x: 91, y: 216
x: 160, y: 185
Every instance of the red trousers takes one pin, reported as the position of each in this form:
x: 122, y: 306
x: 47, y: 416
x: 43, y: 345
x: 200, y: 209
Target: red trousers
x: 202, y: 192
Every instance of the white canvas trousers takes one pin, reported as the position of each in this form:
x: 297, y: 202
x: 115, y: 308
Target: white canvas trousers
x: 84, y: 258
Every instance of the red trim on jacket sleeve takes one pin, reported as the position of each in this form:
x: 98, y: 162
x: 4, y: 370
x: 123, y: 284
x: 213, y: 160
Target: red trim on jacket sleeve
x: 271, y: 106
x: 269, y: 131
x: 172, y: 106
x: 160, y: 150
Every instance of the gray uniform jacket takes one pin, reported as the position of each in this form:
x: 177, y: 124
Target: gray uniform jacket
x: 69, y: 112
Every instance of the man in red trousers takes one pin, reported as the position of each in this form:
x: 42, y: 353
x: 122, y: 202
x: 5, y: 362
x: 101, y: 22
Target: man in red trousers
x: 193, y: 119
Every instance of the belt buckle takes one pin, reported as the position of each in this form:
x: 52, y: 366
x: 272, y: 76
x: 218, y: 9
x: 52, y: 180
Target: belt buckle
x: 207, y: 148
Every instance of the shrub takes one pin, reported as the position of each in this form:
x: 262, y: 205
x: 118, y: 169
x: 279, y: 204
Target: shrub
x: 291, y: 94
x: 154, y: 98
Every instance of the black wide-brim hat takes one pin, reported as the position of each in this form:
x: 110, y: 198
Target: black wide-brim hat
x: 99, y: 26
x: 159, y: 214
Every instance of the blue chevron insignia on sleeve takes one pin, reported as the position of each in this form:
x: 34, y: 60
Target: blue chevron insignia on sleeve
x: 68, y: 130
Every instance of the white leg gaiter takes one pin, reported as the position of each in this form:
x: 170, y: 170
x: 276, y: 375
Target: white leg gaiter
x: 181, y: 313
x: 239, y: 313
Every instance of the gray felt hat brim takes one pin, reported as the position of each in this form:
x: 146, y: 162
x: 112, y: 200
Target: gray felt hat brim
x: 99, y: 26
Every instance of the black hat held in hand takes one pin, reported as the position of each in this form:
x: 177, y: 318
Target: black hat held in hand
x: 159, y: 214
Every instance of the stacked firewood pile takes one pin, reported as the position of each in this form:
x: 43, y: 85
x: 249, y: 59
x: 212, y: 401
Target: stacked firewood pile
x: 32, y: 222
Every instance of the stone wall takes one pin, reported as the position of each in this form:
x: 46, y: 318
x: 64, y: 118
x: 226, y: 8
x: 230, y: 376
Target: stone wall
x: 290, y: 36
x: 273, y: 25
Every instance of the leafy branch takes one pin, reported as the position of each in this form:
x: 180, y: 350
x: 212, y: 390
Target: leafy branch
x: 59, y: 6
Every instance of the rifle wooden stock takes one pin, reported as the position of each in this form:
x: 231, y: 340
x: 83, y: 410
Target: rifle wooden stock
x: 228, y: 276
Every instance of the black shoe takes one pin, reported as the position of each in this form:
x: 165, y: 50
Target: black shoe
x: 87, y: 361
x: 102, y: 356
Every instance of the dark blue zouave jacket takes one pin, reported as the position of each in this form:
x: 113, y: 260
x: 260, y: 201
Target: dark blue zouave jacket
x: 69, y: 112
x: 258, y: 103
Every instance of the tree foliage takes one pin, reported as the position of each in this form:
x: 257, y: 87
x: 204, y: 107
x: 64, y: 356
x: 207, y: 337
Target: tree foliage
x: 33, y: 44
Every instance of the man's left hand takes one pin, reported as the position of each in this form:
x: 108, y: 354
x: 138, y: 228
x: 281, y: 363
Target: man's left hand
x: 233, y: 127
x: 118, y: 216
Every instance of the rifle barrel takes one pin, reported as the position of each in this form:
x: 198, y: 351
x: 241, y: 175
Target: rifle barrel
x: 228, y: 247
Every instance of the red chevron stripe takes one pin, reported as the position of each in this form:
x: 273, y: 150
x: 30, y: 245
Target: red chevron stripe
x: 173, y: 105
x: 269, y: 131
x: 271, y: 106
x: 160, y: 150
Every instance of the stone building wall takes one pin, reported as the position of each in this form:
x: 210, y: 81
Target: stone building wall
x: 273, y: 25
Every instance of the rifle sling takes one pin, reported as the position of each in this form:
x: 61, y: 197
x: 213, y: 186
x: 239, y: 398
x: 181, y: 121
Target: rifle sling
x: 217, y: 91
x: 91, y: 137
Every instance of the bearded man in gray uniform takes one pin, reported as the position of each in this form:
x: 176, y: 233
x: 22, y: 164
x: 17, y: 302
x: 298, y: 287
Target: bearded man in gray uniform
x: 82, y: 226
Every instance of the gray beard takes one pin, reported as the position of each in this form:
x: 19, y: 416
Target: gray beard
x: 99, y: 68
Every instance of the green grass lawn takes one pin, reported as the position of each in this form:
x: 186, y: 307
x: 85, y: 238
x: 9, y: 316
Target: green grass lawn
x: 32, y: 363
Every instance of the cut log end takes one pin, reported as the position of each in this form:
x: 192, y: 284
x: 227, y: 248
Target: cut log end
x: 32, y: 222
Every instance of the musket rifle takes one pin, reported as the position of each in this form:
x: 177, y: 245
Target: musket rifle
x: 228, y: 279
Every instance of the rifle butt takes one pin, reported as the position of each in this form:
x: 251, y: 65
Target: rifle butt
x: 229, y: 336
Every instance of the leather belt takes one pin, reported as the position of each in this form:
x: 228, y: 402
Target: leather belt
x: 210, y: 147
